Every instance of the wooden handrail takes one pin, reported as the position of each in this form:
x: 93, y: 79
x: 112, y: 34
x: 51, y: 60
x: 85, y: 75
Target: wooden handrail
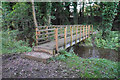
x: 55, y: 32
x: 65, y: 29
x: 71, y: 36
x: 47, y: 30
x: 56, y: 38
x: 80, y: 33
x: 76, y: 34
x: 36, y: 37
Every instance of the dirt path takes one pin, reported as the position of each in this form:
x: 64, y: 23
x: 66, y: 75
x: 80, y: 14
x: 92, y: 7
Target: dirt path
x: 13, y: 66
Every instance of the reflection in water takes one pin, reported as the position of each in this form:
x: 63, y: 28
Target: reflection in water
x: 93, y: 52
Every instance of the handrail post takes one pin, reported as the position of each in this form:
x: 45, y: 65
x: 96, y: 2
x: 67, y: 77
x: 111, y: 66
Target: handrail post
x: 80, y: 34
x: 65, y: 29
x: 83, y: 31
x: 92, y: 29
x: 89, y: 31
x: 61, y: 31
x: 47, y: 31
x: 71, y: 35
x: 76, y: 35
x: 56, y: 39
x: 36, y: 36
x: 86, y: 32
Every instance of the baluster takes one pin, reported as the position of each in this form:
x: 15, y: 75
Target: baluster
x: 71, y: 35
x: 76, y: 35
x: 56, y: 39
x: 65, y: 29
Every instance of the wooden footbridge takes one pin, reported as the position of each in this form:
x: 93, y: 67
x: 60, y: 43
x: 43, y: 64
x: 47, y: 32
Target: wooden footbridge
x: 51, y: 39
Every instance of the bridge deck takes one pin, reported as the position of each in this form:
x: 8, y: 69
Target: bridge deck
x: 50, y: 46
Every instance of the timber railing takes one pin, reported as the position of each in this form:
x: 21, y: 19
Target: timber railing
x: 55, y: 32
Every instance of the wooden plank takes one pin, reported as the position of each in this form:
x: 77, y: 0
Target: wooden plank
x: 80, y: 34
x: 61, y: 30
x: 71, y: 36
x: 65, y: 29
x: 47, y: 30
x: 42, y: 26
x: 86, y: 31
x: 89, y: 31
x: 76, y: 35
x: 36, y: 37
x: 45, y: 37
x: 92, y: 29
x: 56, y: 38
x: 46, y: 33
x: 83, y: 30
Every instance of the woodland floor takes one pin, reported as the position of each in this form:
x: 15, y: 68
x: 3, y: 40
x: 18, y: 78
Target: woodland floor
x: 14, y: 66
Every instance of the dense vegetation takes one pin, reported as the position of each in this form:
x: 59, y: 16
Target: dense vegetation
x: 18, y: 16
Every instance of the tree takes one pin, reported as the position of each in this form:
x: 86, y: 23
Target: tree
x: 34, y: 16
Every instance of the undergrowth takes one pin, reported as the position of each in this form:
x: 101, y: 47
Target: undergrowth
x: 111, y: 41
x: 90, y: 68
x: 11, y: 45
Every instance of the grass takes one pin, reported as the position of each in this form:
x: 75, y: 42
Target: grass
x: 90, y: 68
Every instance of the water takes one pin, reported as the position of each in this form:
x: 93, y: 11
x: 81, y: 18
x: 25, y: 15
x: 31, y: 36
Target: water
x: 93, y: 52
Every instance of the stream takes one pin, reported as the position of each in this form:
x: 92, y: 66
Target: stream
x: 84, y: 51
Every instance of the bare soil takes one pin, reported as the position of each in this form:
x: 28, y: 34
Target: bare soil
x: 14, y: 66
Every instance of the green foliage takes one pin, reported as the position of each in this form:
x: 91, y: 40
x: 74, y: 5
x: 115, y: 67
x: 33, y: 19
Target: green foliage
x: 90, y: 68
x: 110, y: 42
x: 63, y: 55
x: 88, y: 42
x: 11, y: 45
x: 109, y: 10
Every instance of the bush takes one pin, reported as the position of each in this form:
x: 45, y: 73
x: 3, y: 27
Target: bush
x: 11, y: 45
x: 111, y: 41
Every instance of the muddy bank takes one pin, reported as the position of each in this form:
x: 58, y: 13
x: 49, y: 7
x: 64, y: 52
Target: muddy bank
x: 13, y: 66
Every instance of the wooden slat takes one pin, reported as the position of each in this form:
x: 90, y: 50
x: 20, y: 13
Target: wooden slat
x: 83, y: 30
x: 46, y: 30
x: 71, y: 36
x: 92, y: 29
x: 76, y: 34
x: 80, y: 33
x: 42, y: 26
x: 46, y: 33
x: 45, y: 37
x: 65, y: 29
x: 56, y: 38
x: 89, y: 31
x: 36, y: 37
x: 86, y: 31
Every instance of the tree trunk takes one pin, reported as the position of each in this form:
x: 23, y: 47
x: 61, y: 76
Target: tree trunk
x: 83, y: 12
x: 34, y: 16
x: 75, y: 13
